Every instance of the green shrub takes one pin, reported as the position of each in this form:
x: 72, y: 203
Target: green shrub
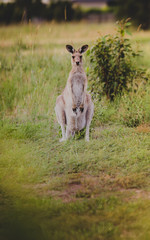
x: 113, y: 69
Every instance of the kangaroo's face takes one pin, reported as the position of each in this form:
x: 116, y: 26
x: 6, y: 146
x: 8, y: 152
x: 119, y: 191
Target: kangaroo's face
x: 76, y: 58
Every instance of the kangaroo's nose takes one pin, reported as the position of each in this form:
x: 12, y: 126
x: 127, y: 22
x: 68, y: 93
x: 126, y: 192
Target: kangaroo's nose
x: 77, y: 63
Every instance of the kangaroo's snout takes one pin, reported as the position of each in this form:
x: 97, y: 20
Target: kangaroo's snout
x: 77, y: 63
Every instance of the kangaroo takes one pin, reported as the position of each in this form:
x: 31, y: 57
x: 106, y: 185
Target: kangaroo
x: 74, y: 107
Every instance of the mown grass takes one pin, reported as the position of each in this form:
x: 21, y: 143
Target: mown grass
x: 71, y: 190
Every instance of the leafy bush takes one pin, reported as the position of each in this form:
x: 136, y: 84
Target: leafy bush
x: 113, y: 69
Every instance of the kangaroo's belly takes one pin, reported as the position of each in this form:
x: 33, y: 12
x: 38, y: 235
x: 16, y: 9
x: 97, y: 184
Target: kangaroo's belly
x: 76, y: 122
x: 81, y: 122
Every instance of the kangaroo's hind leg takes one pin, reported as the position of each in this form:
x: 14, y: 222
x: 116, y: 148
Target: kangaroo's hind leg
x: 71, y: 125
x: 61, y: 115
x: 89, y: 115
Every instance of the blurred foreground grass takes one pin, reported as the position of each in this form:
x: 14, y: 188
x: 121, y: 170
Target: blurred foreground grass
x: 72, y: 190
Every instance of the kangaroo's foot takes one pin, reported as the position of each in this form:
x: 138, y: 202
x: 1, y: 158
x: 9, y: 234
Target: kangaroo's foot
x: 68, y: 132
x: 62, y: 139
x: 87, y: 139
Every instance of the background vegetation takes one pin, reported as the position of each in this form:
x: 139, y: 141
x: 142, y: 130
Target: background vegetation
x: 65, y: 10
x: 71, y: 190
x: 136, y: 9
x: 35, y: 10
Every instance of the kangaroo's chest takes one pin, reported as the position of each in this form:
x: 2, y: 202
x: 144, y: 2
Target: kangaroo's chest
x: 77, y: 85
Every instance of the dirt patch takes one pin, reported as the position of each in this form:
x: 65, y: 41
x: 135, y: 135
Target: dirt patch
x: 79, y: 186
x: 68, y: 195
x: 142, y: 194
x: 144, y: 128
x: 133, y: 194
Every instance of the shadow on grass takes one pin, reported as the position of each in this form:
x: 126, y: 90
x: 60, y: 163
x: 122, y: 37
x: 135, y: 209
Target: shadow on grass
x: 17, y: 222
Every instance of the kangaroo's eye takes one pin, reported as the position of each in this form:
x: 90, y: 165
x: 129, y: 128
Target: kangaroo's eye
x: 80, y: 57
x: 73, y: 57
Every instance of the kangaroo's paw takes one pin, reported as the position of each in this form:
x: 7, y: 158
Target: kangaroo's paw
x: 74, y: 110
x: 81, y: 109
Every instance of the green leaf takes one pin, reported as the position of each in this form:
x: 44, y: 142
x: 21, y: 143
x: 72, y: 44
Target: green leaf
x: 128, y: 24
x: 128, y: 32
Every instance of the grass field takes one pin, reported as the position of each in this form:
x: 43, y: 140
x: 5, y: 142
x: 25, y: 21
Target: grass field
x: 73, y: 190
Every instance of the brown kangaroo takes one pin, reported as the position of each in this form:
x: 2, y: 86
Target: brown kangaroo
x: 74, y: 107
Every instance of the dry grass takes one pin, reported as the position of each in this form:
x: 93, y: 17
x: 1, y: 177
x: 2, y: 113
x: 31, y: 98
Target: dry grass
x: 144, y: 128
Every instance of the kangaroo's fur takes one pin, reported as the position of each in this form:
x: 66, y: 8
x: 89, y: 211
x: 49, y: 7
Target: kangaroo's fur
x: 74, y: 107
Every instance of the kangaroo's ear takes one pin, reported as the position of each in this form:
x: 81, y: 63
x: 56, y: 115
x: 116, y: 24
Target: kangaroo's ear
x: 83, y: 48
x: 70, y: 48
